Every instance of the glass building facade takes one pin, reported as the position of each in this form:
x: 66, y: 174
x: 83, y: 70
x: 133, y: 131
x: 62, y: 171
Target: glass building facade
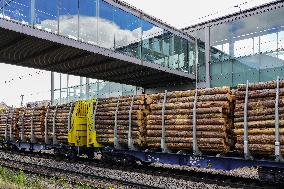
x: 70, y: 88
x: 108, y: 24
x: 248, y: 46
x: 231, y: 50
x: 97, y: 89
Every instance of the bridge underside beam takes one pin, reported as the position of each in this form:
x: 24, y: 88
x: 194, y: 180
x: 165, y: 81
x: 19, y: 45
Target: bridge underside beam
x: 36, y: 51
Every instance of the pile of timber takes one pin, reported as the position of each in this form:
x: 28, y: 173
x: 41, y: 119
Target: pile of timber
x: 105, y: 120
x: 31, y: 124
x: 3, y: 124
x: 8, y: 121
x: 214, y: 120
x: 260, y: 117
x: 61, y: 122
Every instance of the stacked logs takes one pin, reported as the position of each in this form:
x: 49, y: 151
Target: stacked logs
x: 3, y: 124
x: 61, y: 122
x: 213, y: 119
x: 31, y: 124
x: 105, y: 120
x: 9, y: 119
x: 260, y: 117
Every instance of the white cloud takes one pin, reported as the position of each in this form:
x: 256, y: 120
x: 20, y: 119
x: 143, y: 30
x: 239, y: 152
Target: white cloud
x: 109, y: 32
x: 178, y: 13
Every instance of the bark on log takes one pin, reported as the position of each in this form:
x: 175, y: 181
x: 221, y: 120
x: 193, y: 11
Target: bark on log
x: 122, y: 99
x: 173, y: 133
x: 187, y: 140
x: 114, y: 104
x: 217, y: 128
x: 262, y: 131
x: 120, y: 117
x: 125, y: 112
x: 262, y: 93
x: 259, y: 118
x: 261, y: 112
x: 120, y: 132
x: 120, y: 122
x: 215, y: 97
x: 259, y: 105
x: 178, y: 94
x: 119, y: 127
x: 261, y: 85
x: 170, y: 106
x: 221, y: 121
x: 260, y: 139
x: 259, y: 99
x: 120, y: 108
x: 259, y: 124
x: 189, y: 111
x: 187, y: 116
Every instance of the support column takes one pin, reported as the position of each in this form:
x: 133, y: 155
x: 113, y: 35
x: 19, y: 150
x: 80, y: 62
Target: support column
x: 232, y: 55
x: 3, y: 7
x: 196, y: 62
x: 60, y: 89
x: 52, y: 88
x: 81, y: 88
x: 98, y: 88
x: 207, y: 56
x: 98, y: 18
x: 67, y: 90
x: 231, y: 48
x: 32, y: 9
x: 87, y: 88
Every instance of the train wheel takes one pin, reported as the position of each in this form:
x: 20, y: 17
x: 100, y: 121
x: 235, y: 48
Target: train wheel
x: 90, y: 154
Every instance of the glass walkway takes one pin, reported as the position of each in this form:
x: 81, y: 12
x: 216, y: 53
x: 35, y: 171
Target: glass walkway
x: 102, y: 39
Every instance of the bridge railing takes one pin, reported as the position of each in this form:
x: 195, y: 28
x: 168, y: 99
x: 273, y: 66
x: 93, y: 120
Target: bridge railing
x: 107, y: 24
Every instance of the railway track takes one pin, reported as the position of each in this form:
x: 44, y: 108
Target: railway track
x: 71, y: 176
x: 125, y: 176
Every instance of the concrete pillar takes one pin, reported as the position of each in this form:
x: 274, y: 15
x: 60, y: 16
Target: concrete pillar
x: 52, y: 88
x: 207, y: 56
x: 87, y: 88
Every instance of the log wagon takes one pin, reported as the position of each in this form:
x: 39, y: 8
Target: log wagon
x: 217, y: 128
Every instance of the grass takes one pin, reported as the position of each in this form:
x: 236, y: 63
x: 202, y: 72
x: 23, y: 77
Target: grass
x: 19, y: 180
x: 10, y: 179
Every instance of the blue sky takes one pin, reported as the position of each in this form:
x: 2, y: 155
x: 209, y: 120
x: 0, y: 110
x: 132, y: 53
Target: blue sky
x: 20, y: 9
x: 178, y: 13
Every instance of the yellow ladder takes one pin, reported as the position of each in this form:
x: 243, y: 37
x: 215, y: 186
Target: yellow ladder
x: 82, y: 131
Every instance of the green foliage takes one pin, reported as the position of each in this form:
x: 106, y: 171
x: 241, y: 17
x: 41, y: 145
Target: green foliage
x: 20, y: 178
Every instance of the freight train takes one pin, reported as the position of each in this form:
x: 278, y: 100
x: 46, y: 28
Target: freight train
x: 217, y: 128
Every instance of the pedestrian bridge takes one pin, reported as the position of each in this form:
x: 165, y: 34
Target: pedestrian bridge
x: 100, y: 39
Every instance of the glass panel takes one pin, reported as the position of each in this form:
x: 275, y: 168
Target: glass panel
x: 181, y: 49
x: 128, y: 90
x: 2, y: 8
x: 107, y: 28
x: 46, y: 15
x: 127, y: 33
x: 68, y: 18
x: 168, y: 50
x: 254, y: 45
x: 200, y: 35
x: 201, y: 61
x: 152, y: 43
x: 88, y: 21
x: 18, y: 10
x: 191, y: 57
